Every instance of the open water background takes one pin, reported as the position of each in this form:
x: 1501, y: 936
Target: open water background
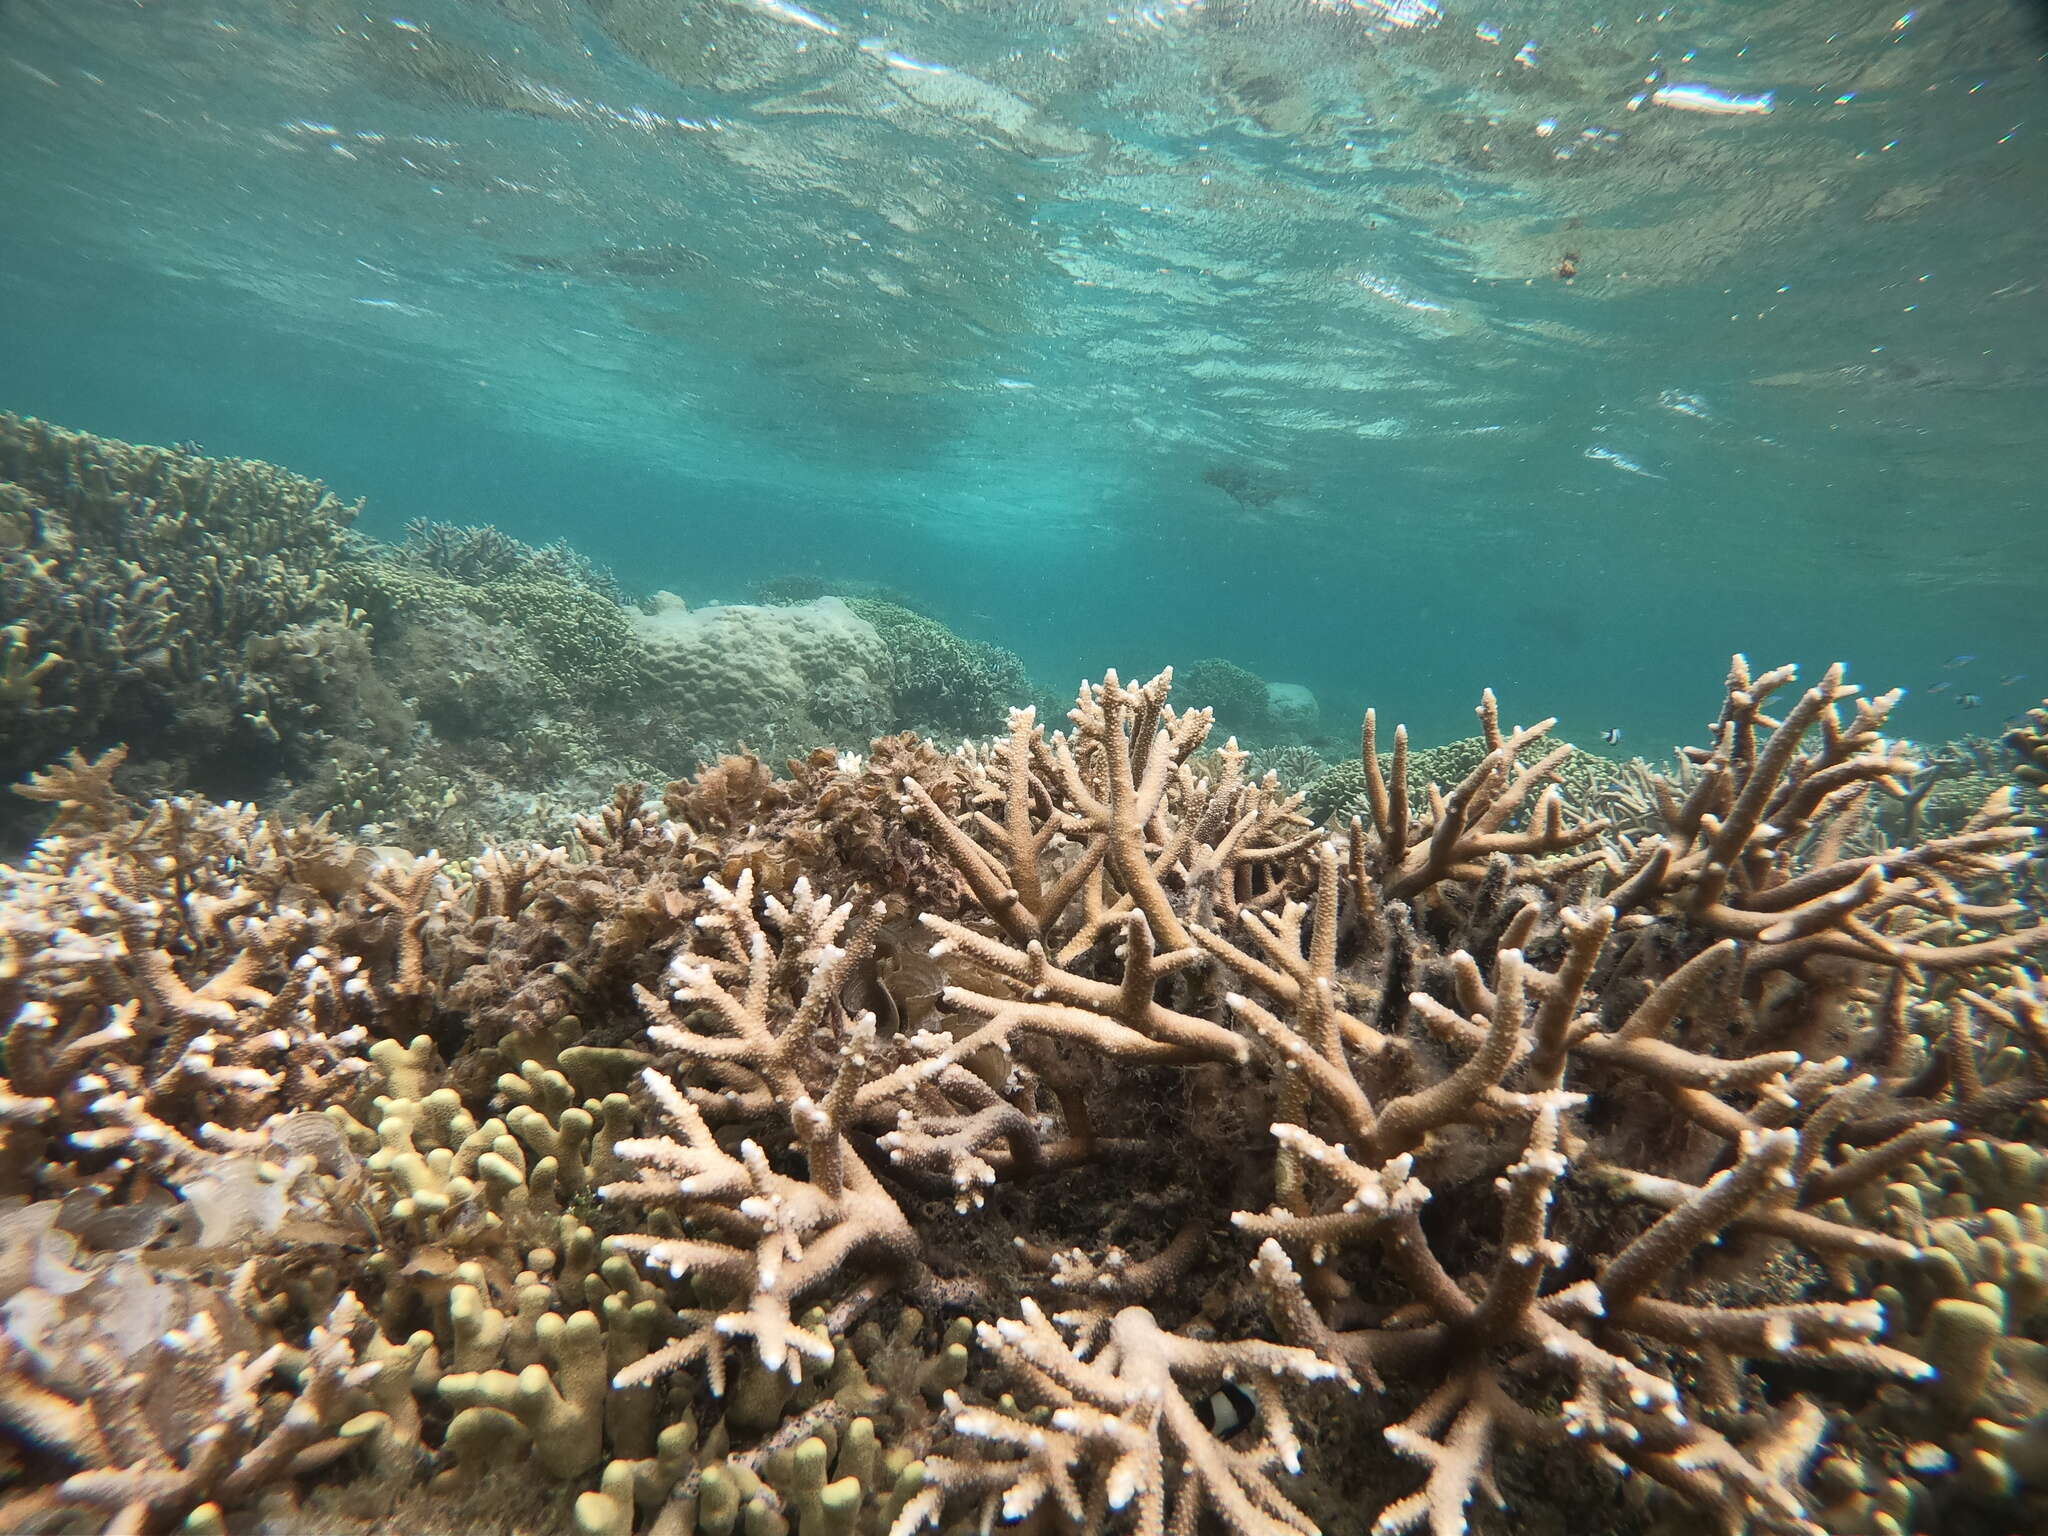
x: 1116, y: 336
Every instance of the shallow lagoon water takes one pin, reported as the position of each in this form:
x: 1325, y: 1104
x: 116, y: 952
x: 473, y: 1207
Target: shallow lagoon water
x: 1389, y: 349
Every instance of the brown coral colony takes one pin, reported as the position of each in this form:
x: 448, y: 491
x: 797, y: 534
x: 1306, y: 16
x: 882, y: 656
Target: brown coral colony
x: 1062, y: 1131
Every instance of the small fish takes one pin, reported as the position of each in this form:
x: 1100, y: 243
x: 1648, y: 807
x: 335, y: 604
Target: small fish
x: 190, y: 445
x: 1601, y: 455
x: 1226, y: 1411
x: 1692, y: 97
x: 1970, y: 700
x: 1941, y: 687
x: 2012, y: 679
x: 1612, y: 736
x: 1959, y: 661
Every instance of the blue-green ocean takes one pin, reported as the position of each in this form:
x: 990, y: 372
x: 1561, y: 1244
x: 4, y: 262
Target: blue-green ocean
x: 1392, y: 349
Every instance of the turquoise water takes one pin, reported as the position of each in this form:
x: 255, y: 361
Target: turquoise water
x: 1389, y: 350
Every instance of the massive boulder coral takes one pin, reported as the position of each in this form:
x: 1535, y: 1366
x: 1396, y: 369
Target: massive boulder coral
x: 1287, y: 1176
x: 814, y: 672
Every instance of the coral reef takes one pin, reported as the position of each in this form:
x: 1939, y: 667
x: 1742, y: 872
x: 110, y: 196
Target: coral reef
x: 1065, y: 1130
x: 221, y: 620
x: 179, y: 604
x: 809, y: 673
x: 943, y: 683
x: 1236, y: 695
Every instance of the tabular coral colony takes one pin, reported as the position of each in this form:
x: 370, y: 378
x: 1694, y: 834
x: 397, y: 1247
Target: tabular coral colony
x: 1064, y: 1132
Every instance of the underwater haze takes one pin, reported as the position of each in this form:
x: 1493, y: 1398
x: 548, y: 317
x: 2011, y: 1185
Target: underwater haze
x: 1390, y: 349
x: 1023, y: 768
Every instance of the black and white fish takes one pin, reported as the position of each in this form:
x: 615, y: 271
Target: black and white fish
x: 1612, y: 735
x: 1226, y: 1410
x: 1970, y: 700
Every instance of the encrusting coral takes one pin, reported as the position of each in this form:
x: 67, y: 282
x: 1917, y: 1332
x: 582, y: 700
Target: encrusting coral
x: 1286, y: 1176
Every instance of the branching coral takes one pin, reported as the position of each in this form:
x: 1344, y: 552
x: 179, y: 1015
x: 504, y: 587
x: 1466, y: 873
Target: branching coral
x: 212, y: 964
x: 154, y: 1392
x: 153, y: 592
x: 1752, y: 854
x: 1363, y: 1163
x: 1124, y: 1416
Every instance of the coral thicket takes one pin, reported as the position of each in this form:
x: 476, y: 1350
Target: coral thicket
x: 1065, y: 1129
x: 180, y: 604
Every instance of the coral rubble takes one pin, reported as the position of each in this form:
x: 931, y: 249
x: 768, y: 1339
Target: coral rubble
x: 1066, y: 1130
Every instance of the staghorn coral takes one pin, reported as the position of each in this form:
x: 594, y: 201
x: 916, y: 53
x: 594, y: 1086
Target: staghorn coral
x: 1280, y: 1175
x: 555, y: 935
x: 1123, y: 1389
x: 170, y: 1422
x: 1527, y: 1029
x: 1599, y: 786
x: 213, y: 965
x: 1107, y: 835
